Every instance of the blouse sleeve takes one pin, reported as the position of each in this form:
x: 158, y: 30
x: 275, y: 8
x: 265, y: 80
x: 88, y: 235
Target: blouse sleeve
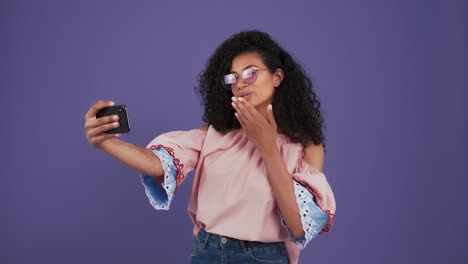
x: 178, y: 152
x: 315, y: 200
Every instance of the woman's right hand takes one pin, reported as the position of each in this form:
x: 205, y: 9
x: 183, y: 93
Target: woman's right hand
x: 96, y: 126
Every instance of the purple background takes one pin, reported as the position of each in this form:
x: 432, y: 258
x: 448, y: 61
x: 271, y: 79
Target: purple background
x: 391, y: 76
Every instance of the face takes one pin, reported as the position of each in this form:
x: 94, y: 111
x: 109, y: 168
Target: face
x: 251, y: 79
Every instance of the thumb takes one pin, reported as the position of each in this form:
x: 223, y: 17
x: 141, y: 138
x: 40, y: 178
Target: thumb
x: 271, y: 117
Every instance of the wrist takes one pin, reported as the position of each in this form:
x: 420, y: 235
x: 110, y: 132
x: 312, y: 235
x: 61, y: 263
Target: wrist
x: 268, y: 148
x: 106, y: 144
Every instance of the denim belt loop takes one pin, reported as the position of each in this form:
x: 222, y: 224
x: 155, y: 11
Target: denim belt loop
x: 204, y: 238
x: 283, y: 247
x: 243, y: 246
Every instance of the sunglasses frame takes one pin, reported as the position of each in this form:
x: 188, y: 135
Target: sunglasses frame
x: 233, y: 85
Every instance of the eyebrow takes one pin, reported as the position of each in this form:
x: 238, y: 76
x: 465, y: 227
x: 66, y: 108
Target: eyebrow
x: 246, y: 67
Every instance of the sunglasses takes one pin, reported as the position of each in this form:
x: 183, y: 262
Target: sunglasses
x: 249, y: 76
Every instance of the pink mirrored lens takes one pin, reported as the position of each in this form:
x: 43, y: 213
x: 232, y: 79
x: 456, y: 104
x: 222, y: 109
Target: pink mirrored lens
x: 249, y: 76
x: 230, y: 79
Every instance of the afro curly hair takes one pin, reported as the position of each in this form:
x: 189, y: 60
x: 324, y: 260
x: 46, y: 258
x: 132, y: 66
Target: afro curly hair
x: 296, y: 106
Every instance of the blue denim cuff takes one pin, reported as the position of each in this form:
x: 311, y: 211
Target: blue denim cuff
x: 159, y: 194
x: 313, y: 219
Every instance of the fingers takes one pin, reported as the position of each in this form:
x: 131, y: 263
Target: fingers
x: 97, y: 131
x: 95, y: 127
x: 92, y: 123
x: 244, y: 109
x: 240, y: 120
x: 239, y: 115
x: 244, y: 104
x: 271, y: 116
x: 96, y: 107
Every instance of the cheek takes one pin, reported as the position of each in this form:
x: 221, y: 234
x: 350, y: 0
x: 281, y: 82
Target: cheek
x: 266, y: 84
x: 265, y: 92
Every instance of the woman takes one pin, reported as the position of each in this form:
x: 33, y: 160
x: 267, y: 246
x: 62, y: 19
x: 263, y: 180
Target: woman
x: 258, y: 194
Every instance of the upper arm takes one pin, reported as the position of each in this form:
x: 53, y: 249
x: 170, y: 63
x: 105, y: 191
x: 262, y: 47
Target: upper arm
x: 314, y: 156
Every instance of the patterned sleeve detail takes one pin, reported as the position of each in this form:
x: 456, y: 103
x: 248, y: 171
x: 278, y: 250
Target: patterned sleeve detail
x: 314, y: 220
x: 161, y: 192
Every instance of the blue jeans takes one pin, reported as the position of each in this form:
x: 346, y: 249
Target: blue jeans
x: 212, y: 248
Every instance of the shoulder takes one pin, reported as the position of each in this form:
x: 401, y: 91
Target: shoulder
x: 314, y: 155
x: 204, y: 127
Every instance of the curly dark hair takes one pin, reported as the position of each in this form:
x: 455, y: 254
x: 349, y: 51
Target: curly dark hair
x: 295, y: 104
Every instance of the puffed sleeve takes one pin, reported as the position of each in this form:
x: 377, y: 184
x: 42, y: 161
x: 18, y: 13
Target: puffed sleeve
x: 178, y: 152
x: 315, y: 200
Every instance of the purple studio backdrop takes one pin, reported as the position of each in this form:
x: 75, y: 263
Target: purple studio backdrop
x: 391, y: 76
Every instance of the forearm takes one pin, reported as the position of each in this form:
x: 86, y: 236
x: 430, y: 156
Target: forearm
x: 283, y: 190
x: 135, y: 157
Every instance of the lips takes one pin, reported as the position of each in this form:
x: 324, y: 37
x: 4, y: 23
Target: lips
x: 245, y: 94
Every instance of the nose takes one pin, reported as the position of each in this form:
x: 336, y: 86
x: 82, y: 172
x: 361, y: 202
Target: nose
x: 240, y: 84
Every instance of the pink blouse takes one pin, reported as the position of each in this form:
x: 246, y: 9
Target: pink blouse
x: 231, y: 195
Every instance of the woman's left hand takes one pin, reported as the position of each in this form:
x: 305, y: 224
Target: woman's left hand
x: 262, y: 132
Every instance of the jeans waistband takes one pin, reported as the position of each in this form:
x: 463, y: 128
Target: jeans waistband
x: 206, y: 238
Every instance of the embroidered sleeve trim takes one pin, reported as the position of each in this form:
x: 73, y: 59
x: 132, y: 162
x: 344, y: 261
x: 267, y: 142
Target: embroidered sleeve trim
x: 314, y: 221
x: 160, y: 194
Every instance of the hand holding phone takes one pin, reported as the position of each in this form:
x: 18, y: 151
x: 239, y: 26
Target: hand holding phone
x: 121, y: 111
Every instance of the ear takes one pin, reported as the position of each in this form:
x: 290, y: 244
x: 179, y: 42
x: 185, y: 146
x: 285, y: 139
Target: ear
x: 278, y: 77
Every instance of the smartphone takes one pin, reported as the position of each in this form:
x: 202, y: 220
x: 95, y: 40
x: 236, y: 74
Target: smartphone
x: 121, y: 111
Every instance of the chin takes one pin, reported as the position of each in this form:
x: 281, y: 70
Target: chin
x: 254, y: 103
x: 258, y: 104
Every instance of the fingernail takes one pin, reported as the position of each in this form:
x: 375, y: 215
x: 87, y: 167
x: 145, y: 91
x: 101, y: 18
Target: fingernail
x: 116, y: 124
x: 269, y: 107
x: 111, y: 103
x: 233, y: 98
x: 233, y: 104
x: 241, y: 99
x: 116, y: 117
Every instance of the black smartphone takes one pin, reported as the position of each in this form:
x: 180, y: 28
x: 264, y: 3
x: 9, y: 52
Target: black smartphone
x: 121, y: 111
